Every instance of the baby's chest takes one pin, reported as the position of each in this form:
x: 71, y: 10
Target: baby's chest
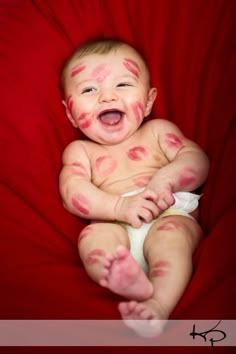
x: 124, y: 162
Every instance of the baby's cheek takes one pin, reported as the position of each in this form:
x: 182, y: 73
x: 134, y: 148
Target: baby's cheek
x: 138, y: 110
x: 69, y: 103
x: 84, y: 120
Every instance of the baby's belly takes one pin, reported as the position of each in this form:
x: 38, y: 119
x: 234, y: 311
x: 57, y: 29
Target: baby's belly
x: 126, y: 185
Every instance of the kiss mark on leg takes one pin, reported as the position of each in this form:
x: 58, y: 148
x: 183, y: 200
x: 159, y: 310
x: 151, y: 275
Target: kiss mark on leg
x: 85, y: 232
x: 160, y: 268
x: 93, y: 256
x: 169, y: 226
x: 137, y: 153
x: 173, y: 141
x: 81, y: 204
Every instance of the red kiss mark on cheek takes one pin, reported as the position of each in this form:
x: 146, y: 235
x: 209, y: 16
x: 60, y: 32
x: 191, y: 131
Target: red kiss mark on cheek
x: 138, y: 112
x: 79, y: 169
x: 77, y: 69
x: 160, y: 268
x: 100, y: 73
x: 69, y: 103
x: 132, y: 66
x: 84, y: 121
x: 81, y: 204
x: 141, y: 181
x: 105, y: 165
x: 94, y: 255
x: 169, y: 226
x: 173, y: 141
x: 137, y: 153
x: 187, y: 178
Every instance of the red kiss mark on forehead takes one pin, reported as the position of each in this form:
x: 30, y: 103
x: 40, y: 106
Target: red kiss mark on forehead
x: 77, y: 69
x: 100, y: 72
x: 132, y: 66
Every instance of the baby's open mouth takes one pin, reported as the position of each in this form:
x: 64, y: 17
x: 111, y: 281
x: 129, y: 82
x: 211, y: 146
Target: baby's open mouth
x: 111, y: 117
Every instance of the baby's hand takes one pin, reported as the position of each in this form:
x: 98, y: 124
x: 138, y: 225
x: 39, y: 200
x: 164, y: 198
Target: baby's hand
x: 164, y: 196
x: 137, y: 209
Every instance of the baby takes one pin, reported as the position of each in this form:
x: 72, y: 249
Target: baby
x: 133, y: 182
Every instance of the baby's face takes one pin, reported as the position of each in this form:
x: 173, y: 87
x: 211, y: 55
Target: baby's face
x: 108, y: 96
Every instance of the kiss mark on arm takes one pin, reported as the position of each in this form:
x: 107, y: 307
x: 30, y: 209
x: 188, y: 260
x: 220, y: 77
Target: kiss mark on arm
x: 186, y: 178
x: 173, y: 141
x: 137, y: 153
x: 79, y: 169
x: 81, y: 204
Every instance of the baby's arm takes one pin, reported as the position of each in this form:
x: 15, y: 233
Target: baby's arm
x: 187, y: 168
x: 82, y: 198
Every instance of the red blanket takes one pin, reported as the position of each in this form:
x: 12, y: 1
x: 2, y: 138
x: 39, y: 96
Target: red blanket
x: 190, y: 47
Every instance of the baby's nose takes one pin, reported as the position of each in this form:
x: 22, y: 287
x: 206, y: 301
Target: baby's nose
x: 107, y: 95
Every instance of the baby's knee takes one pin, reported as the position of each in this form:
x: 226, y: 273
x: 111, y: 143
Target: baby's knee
x: 174, y: 230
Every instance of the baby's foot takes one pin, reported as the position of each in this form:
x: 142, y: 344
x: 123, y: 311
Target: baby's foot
x: 123, y: 276
x: 143, y: 317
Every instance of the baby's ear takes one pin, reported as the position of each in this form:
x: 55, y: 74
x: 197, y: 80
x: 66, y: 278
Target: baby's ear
x: 69, y: 115
x: 152, y: 94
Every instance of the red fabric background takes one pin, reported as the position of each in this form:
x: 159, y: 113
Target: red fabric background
x: 190, y: 47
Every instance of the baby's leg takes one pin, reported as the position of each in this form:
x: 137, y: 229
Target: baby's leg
x: 103, y: 248
x: 168, y: 249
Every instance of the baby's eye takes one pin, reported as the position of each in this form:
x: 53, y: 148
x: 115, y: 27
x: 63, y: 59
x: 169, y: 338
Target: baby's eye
x: 124, y: 84
x: 88, y: 90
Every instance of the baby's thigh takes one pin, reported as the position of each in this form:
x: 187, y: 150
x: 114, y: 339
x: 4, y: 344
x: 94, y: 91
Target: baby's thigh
x: 173, y: 231
x: 105, y: 235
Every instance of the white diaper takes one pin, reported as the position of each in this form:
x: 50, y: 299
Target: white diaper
x: 185, y: 203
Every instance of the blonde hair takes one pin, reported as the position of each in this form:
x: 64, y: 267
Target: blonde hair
x: 101, y: 46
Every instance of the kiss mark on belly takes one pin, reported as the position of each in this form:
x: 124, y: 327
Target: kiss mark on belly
x: 141, y: 181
